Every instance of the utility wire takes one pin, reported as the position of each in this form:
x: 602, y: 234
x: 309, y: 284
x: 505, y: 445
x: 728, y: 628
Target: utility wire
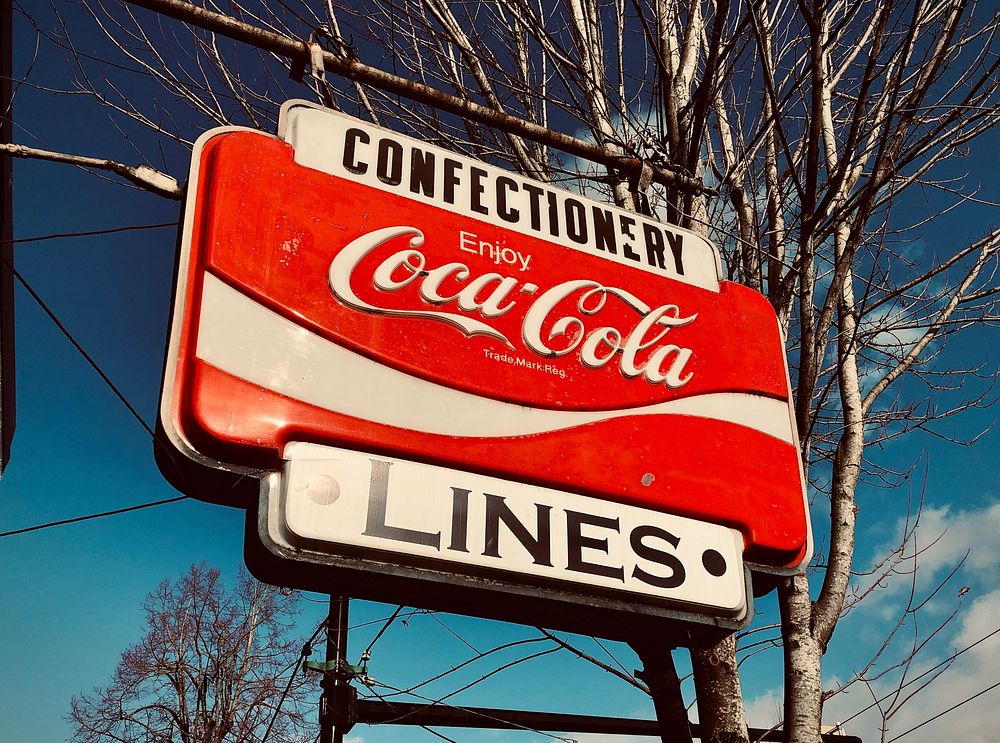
x: 88, y: 233
x: 69, y: 336
x: 382, y: 630
x: 610, y: 655
x: 370, y: 622
x: 947, y: 660
x: 942, y: 714
x: 461, y: 639
x: 465, y: 663
x: 118, y: 393
x: 305, y: 653
x: 481, y: 679
x: 77, y: 519
x: 393, y: 707
x: 281, y: 701
x: 121, y: 397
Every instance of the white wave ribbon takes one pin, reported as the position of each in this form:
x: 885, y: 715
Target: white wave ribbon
x: 245, y: 339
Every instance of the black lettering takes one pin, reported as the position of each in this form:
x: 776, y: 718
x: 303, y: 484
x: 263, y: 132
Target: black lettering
x: 553, y: 214
x: 654, y: 245
x: 539, y: 548
x: 534, y: 195
x: 505, y: 185
x: 476, y: 175
x: 459, y: 520
x: 422, y: 172
x: 451, y: 179
x: 378, y: 494
x: 653, y: 554
x: 390, y: 162
x: 604, y: 230
x: 676, y: 243
x: 626, y: 224
x: 351, y: 139
x: 576, y: 221
x: 576, y: 543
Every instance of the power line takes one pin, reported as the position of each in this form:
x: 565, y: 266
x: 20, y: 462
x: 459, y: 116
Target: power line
x: 121, y: 397
x: 423, y: 727
x: 461, y: 639
x: 465, y: 663
x: 469, y: 685
x: 88, y: 233
x: 118, y: 393
x: 947, y: 660
x: 942, y: 714
x: 382, y: 630
x: 77, y: 519
x: 296, y: 665
x: 69, y: 336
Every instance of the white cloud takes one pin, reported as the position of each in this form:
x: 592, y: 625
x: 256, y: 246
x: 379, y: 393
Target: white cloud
x: 764, y: 710
x: 943, y: 537
x: 891, y: 326
x: 974, y: 531
x: 972, y: 672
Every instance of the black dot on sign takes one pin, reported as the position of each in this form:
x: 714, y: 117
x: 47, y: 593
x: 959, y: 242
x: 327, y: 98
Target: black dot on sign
x: 714, y: 563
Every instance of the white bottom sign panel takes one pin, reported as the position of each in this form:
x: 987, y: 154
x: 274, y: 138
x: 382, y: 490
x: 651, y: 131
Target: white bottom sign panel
x: 346, y: 502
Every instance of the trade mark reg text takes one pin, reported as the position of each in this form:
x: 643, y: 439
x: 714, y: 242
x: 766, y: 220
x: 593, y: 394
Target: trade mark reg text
x: 523, y: 363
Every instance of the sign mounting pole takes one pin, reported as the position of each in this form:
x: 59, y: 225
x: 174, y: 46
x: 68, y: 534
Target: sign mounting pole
x: 660, y: 676
x: 333, y: 722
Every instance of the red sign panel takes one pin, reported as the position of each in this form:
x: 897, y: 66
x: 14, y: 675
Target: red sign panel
x: 347, y: 286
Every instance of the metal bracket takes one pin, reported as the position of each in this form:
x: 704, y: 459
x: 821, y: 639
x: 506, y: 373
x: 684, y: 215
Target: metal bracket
x: 317, y: 67
x: 339, y: 669
x: 640, y: 186
x: 339, y: 708
x: 319, y: 70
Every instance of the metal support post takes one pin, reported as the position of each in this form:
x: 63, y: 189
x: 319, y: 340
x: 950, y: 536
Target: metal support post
x: 660, y: 675
x: 336, y: 706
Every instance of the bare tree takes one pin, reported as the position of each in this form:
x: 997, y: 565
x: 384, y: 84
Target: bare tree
x: 814, y: 127
x: 213, y: 666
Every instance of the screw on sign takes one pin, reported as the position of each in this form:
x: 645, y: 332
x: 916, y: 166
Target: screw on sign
x: 351, y: 288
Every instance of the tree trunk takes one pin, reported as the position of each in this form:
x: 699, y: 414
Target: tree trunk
x: 720, y: 697
x: 803, y: 700
x: 660, y: 676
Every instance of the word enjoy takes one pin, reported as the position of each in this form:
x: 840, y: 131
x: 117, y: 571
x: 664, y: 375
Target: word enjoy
x: 468, y: 242
x: 492, y: 295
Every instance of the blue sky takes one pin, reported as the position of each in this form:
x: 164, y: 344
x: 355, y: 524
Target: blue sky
x: 72, y: 593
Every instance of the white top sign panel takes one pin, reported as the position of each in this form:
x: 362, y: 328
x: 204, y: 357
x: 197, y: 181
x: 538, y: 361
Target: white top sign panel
x: 333, y: 497
x: 333, y: 143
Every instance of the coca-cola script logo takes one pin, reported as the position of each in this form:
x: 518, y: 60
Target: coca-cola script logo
x: 640, y: 350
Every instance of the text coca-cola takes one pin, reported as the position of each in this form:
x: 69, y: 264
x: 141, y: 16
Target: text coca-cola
x: 639, y: 351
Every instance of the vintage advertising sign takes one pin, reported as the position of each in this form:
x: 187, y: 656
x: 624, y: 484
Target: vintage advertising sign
x: 346, y: 286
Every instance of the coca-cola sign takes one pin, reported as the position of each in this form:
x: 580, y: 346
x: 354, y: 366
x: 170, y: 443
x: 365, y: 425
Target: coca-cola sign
x: 346, y: 286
